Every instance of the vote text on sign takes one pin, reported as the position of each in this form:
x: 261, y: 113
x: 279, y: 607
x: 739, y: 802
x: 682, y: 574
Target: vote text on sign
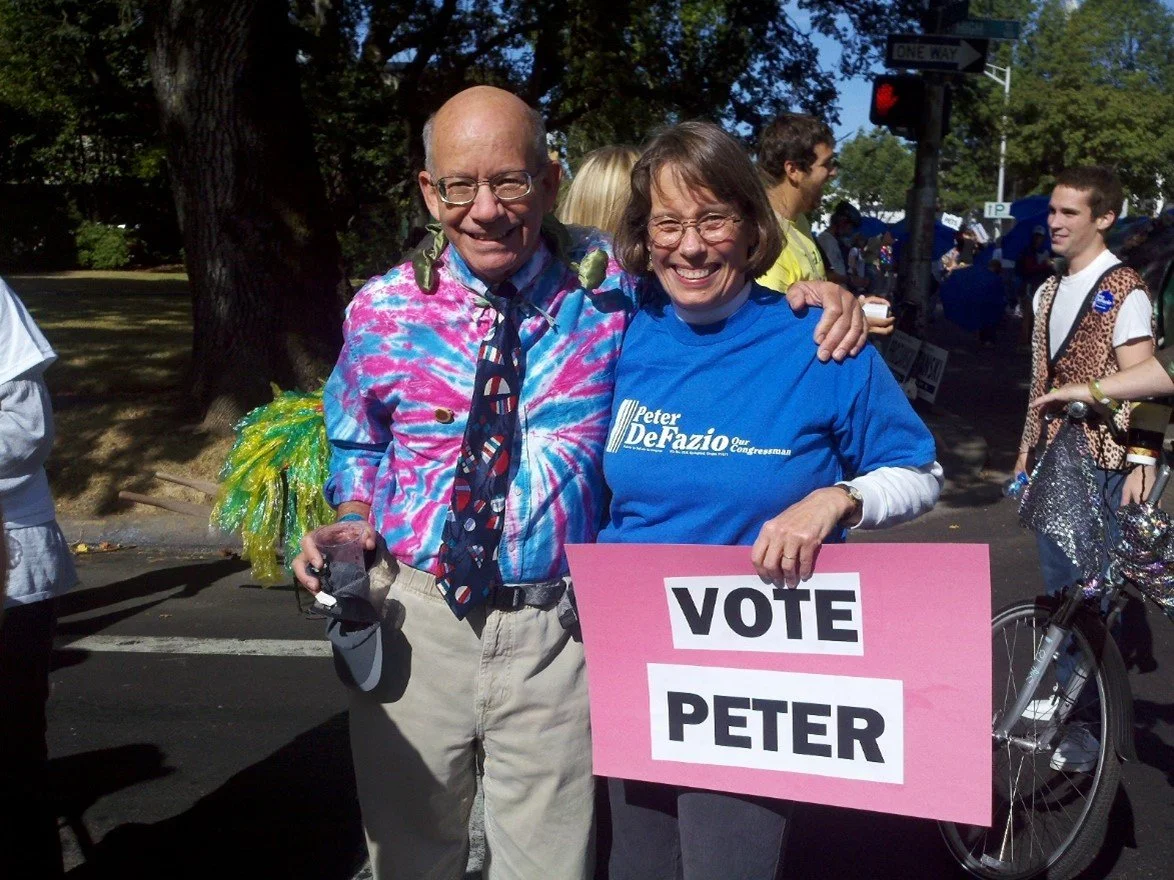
x: 867, y: 686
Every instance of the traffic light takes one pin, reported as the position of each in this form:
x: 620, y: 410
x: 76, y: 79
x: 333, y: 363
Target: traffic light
x: 898, y: 103
x: 939, y: 15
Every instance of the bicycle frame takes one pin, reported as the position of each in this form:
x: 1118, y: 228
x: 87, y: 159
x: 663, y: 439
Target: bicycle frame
x: 1111, y: 599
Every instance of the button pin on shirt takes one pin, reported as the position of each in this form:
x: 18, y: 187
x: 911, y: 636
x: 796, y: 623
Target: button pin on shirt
x: 444, y: 415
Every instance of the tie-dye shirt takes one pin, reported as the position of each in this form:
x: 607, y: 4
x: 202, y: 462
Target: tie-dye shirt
x: 398, y: 400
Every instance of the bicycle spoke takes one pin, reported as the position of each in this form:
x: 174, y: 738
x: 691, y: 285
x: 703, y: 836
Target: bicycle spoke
x: 1039, y: 815
x: 1031, y: 825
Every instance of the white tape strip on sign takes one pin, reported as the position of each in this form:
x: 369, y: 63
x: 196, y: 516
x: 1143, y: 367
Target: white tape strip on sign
x: 827, y: 725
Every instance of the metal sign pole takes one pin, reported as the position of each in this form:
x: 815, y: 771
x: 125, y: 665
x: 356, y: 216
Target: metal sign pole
x: 921, y: 207
x: 1004, y: 79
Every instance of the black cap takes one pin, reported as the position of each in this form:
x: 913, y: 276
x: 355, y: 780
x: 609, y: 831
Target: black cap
x: 354, y: 627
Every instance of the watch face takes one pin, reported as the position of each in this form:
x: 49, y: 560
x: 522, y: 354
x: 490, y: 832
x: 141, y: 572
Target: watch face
x: 853, y: 493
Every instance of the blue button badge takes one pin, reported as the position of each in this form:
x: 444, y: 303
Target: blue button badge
x: 1103, y: 302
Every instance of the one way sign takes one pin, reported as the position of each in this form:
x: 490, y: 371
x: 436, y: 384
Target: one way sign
x: 953, y: 54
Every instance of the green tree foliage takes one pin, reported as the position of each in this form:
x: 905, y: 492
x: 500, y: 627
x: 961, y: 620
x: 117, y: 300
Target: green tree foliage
x: 1097, y: 87
x: 102, y: 246
x: 601, y: 73
x: 876, y: 171
x: 78, y: 127
x: 76, y: 107
x: 1090, y: 83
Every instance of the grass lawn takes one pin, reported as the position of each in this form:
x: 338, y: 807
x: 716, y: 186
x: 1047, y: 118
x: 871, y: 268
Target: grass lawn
x: 123, y: 341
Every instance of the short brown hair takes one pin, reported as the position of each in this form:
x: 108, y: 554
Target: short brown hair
x: 791, y: 137
x: 1105, y: 195
x: 707, y: 158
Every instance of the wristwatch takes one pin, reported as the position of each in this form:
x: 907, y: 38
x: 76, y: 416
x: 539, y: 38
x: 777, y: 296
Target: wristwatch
x: 857, y: 502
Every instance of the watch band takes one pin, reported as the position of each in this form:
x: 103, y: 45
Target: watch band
x: 857, y: 499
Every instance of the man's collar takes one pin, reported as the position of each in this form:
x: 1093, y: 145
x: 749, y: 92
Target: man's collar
x: 1088, y: 261
x: 522, y: 279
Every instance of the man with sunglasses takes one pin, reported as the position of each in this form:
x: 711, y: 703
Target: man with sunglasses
x: 467, y: 416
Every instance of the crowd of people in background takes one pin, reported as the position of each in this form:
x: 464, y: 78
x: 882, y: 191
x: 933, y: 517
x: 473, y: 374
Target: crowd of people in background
x: 797, y: 163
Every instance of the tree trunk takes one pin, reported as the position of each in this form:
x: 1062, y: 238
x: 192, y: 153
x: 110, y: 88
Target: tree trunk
x: 262, y: 258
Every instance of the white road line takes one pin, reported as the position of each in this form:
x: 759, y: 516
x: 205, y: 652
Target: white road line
x: 221, y: 647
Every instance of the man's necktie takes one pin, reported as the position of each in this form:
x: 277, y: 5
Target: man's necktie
x: 467, y: 564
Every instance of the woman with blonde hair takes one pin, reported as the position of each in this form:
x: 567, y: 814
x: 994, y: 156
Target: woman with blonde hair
x: 599, y: 191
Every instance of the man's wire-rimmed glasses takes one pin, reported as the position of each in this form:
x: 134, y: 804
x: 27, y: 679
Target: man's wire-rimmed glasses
x: 509, y: 186
x: 667, y: 232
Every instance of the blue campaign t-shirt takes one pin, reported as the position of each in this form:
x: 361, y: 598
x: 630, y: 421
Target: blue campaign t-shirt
x: 717, y: 428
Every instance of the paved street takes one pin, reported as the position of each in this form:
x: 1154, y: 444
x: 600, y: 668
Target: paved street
x: 178, y: 764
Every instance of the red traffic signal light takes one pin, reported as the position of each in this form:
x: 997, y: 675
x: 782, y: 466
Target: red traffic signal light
x: 898, y: 102
x: 886, y: 99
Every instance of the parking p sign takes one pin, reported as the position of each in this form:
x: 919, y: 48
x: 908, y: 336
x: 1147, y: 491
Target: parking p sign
x: 996, y: 210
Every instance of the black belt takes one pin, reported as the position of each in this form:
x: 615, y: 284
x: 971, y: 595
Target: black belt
x: 544, y: 595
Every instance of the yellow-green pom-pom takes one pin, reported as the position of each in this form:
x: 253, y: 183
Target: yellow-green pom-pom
x: 271, y: 483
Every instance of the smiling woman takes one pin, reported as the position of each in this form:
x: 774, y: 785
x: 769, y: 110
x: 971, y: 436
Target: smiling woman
x: 697, y: 218
x: 726, y: 429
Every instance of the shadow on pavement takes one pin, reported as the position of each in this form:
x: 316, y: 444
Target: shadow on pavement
x: 1152, y: 750
x: 63, y: 658
x: 1119, y: 836
x: 294, y: 814
x: 984, y: 395
x: 829, y: 843
x: 193, y: 578
x: 76, y: 782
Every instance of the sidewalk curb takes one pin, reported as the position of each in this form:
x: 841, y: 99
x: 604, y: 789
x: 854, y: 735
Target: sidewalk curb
x: 162, y: 530
x: 961, y: 449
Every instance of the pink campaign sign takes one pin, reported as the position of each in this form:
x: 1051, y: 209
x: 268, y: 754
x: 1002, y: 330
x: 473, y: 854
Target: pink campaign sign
x: 868, y: 687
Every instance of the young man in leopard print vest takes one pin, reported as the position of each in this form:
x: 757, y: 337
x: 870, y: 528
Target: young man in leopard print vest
x: 1091, y: 322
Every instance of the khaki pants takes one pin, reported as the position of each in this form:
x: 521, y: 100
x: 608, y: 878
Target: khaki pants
x: 508, y: 684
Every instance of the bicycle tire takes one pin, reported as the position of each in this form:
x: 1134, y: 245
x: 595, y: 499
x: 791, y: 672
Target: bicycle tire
x: 1046, y: 822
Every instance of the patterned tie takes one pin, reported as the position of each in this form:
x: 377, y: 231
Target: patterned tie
x: 467, y: 563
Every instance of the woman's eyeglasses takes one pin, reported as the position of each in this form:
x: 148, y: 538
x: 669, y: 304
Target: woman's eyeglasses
x: 667, y: 232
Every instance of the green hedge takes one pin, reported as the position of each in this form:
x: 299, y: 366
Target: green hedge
x: 103, y: 246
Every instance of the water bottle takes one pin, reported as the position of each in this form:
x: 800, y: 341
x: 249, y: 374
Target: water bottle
x: 1014, y: 487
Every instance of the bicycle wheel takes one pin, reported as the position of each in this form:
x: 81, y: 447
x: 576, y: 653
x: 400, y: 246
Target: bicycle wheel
x: 1047, y: 819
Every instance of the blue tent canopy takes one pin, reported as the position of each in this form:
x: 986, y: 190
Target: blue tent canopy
x: 943, y: 237
x: 870, y: 226
x: 1029, y: 206
x: 973, y: 298
x: 1018, y: 239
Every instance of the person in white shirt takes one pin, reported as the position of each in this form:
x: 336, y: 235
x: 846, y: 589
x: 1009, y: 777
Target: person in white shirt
x: 1078, y: 227
x: 857, y: 264
x: 844, y: 221
x: 39, y: 568
x: 1093, y: 320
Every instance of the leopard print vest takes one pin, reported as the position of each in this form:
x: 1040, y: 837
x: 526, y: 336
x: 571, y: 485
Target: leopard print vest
x: 1087, y: 353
